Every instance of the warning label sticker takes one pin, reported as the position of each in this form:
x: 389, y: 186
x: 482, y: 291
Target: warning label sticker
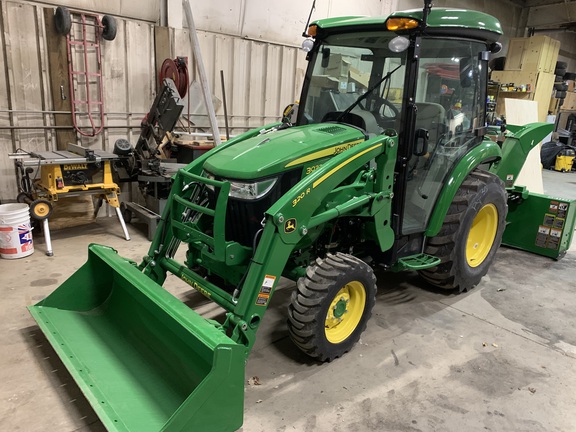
x: 558, y: 223
x: 562, y: 209
x: 543, y: 230
x: 542, y: 236
x: 554, y: 207
x: 555, y: 233
x: 265, y: 290
x: 509, y: 180
x: 549, y: 220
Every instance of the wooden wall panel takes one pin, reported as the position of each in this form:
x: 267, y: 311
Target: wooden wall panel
x: 23, y: 53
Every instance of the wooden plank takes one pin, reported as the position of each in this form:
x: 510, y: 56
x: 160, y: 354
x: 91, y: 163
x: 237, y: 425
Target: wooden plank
x: 59, y: 82
x: 22, y: 66
x: 521, y: 112
x: 162, y: 48
x: 8, y: 188
x: 543, y: 92
x: 515, y: 54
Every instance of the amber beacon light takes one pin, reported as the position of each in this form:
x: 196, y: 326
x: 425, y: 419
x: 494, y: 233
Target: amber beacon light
x: 395, y: 24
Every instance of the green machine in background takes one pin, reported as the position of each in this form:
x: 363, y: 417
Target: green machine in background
x: 535, y: 223
x: 384, y: 164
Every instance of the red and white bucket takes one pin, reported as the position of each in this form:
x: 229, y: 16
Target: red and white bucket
x: 15, y: 231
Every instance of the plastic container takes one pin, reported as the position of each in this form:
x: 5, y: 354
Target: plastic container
x: 15, y: 231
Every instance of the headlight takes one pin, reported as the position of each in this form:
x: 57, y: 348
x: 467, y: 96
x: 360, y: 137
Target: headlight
x: 251, y: 191
x: 247, y: 191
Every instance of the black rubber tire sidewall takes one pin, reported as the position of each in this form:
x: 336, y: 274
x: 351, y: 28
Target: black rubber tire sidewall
x: 62, y: 20
x: 313, y: 296
x: 109, y: 27
x: 478, y: 189
x: 560, y: 71
x: 491, y: 193
x: 560, y: 87
x: 324, y: 344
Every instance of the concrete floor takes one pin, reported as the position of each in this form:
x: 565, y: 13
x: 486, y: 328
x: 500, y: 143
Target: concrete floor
x: 499, y: 358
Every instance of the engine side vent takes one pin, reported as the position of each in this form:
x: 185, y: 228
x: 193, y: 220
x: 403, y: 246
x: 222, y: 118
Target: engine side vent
x: 332, y: 130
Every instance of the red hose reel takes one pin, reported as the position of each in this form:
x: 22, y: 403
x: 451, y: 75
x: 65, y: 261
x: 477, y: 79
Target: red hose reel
x: 177, y: 71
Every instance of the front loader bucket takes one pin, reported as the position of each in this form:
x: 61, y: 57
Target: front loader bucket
x: 143, y: 359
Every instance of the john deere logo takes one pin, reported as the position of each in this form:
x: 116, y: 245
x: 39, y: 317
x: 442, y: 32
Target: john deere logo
x: 290, y: 226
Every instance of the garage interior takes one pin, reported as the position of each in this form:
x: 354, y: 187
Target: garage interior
x: 86, y: 87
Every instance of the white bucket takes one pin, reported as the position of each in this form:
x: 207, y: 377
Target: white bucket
x: 15, y: 231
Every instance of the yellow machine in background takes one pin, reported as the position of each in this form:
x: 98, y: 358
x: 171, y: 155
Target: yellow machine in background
x: 565, y: 160
x: 62, y: 174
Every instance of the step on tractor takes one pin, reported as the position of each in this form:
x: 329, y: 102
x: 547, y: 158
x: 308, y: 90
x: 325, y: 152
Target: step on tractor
x: 386, y: 163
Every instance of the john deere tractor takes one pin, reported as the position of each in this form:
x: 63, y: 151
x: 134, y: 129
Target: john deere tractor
x: 385, y: 163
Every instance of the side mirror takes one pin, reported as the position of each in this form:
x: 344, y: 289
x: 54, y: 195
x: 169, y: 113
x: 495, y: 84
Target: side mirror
x: 421, y: 142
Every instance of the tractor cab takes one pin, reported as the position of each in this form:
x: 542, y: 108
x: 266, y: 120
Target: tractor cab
x: 394, y: 76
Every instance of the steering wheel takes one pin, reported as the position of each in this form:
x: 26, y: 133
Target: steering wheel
x: 381, y: 106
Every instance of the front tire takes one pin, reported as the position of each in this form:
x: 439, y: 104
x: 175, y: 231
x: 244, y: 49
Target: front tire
x: 471, y: 233
x: 331, y: 306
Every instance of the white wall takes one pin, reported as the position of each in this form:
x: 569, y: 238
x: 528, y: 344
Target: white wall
x: 276, y: 21
x: 145, y: 10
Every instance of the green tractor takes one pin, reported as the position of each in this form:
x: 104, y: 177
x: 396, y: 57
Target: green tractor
x: 384, y: 163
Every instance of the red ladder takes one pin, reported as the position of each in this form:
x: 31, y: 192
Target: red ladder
x: 94, y: 108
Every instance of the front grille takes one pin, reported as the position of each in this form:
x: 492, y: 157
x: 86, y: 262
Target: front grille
x: 243, y: 217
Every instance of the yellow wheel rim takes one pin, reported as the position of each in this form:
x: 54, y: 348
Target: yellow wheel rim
x: 41, y: 209
x: 345, y: 312
x: 481, y: 235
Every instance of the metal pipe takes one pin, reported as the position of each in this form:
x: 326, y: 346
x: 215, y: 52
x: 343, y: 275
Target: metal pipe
x: 60, y: 127
x: 66, y: 112
x: 262, y: 116
x: 225, y: 105
x: 201, y: 71
x: 47, y: 238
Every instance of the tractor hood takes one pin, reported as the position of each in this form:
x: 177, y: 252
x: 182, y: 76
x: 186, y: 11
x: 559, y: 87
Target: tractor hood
x: 274, y: 152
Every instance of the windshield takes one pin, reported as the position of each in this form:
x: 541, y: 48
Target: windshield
x: 344, y: 68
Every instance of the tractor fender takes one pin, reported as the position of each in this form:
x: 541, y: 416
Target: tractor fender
x: 293, y: 212
x: 487, y: 151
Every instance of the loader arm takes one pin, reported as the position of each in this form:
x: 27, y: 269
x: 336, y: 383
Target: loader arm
x: 285, y: 224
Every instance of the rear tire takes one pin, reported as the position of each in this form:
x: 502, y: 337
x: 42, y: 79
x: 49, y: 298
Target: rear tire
x: 331, y: 306
x: 471, y: 233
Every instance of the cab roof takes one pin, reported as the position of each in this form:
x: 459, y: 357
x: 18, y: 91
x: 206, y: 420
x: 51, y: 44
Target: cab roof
x: 444, y: 20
